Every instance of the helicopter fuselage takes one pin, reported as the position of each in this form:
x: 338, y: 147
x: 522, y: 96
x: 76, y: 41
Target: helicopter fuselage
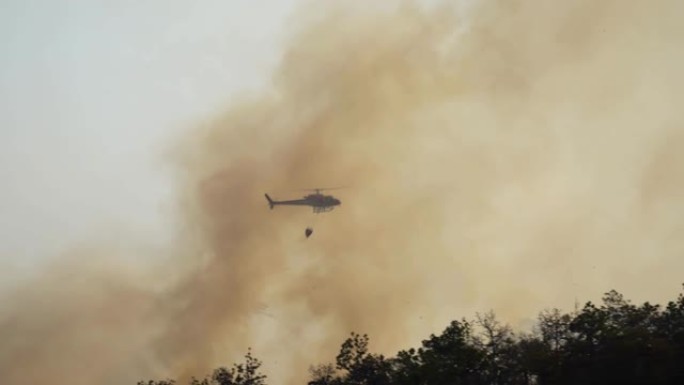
x: 319, y: 202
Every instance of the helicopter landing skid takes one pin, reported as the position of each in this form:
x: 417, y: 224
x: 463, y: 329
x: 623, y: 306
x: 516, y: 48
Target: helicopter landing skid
x: 318, y: 210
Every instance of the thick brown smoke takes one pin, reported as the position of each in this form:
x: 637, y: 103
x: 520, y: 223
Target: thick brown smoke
x: 520, y: 155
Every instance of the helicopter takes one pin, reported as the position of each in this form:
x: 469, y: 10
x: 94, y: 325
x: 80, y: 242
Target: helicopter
x: 319, y: 202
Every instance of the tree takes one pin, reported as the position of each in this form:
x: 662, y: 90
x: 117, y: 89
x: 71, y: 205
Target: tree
x: 554, y: 328
x: 323, y: 375
x: 361, y: 366
x: 407, y: 368
x: 246, y: 373
x: 451, y: 357
x: 498, y: 344
x: 617, y: 342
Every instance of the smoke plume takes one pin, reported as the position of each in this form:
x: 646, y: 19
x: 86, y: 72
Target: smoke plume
x: 507, y: 155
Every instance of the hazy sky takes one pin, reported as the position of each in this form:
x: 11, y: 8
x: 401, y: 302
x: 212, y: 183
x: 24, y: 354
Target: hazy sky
x: 92, y: 91
x: 519, y: 156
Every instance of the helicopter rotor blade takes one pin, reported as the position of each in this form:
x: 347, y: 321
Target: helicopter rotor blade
x: 323, y: 189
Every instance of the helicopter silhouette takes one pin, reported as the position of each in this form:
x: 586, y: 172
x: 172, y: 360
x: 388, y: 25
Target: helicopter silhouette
x: 319, y: 202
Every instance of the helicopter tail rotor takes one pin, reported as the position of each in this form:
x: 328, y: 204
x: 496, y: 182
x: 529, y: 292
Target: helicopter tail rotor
x: 270, y: 201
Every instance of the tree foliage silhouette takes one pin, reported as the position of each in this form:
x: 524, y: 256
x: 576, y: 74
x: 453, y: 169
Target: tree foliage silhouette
x: 246, y: 373
x: 614, y: 342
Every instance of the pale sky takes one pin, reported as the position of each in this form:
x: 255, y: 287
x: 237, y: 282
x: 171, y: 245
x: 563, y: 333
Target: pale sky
x: 91, y: 93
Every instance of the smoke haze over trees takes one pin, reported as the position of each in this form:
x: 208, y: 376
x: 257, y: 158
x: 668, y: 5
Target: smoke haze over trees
x: 615, y: 342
